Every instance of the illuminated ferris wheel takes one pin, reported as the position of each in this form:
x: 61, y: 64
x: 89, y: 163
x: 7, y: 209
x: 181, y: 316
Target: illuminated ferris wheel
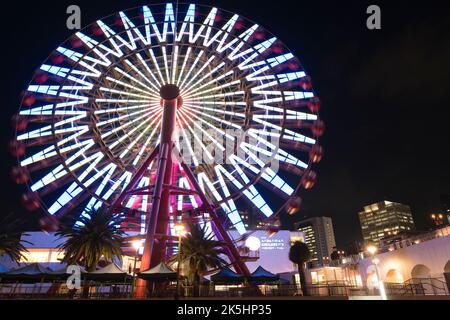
x: 168, y: 111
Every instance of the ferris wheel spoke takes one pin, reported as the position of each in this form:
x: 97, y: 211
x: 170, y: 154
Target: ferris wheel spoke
x: 204, y: 66
x: 145, y: 145
x: 228, y: 207
x: 124, y: 109
x: 139, y: 137
x: 174, y: 64
x: 251, y: 192
x: 281, y: 154
x: 125, y: 125
x: 94, y: 203
x: 193, y: 89
x: 156, y: 64
x: 268, y: 174
x: 225, y: 122
x: 124, y: 93
x: 157, y: 84
x: 59, y: 171
x: 128, y: 86
x: 153, y: 90
x: 186, y: 58
x: 194, y: 64
x: 128, y: 134
x: 133, y: 79
x: 199, y: 141
x: 187, y: 143
x: 205, y: 133
x: 226, y: 85
x: 221, y: 132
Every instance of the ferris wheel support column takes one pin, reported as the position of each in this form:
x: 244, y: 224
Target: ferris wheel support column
x: 158, y: 219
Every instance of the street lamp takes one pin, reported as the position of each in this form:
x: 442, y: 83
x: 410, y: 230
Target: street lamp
x: 181, y: 232
x: 137, y: 244
x: 372, y: 251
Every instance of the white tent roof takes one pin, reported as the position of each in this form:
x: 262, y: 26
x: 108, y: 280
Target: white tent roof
x: 161, y: 268
x: 31, y: 269
x: 110, y: 269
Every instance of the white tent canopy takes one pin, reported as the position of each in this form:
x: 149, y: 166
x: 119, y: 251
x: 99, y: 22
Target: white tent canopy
x: 161, y: 268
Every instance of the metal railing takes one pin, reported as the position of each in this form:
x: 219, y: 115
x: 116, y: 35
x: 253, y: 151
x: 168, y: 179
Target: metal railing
x: 59, y: 290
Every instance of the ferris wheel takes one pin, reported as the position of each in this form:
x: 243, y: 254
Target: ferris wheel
x: 165, y: 110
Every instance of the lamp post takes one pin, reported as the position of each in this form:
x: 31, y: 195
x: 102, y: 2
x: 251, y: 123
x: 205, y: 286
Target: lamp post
x: 372, y: 251
x: 181, y: 231
x: 136, y: 245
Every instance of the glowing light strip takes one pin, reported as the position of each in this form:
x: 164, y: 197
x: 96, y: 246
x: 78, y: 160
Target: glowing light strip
x: 150, y: 72
x: 205, y: 65
x: 119, y: 92
x: 188, y: 143
x: 289, y: 134
x: 189, y: 18
x: 219, y: 145
x: 215, y: 118
x: 125, y: 125
x: 113, y: 110
x: 268, y: 174
x: 133, y: 143
x: 156, y: 90
x: 166, y: 66
x: 152, y: 54
x: 199, y: 55
x: 201, y: 80
x: 133, y: 79
x: 186, y: 57
x: 223, y: 133
x: 94, y: 204
x: 175, y: 64
x: 144, y: 147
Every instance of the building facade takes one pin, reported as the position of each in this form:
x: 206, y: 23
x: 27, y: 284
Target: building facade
x: 319, y: 237
x: 383, y: 219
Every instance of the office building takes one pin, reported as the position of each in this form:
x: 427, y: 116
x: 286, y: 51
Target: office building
x: 384, y: 219
x: 319, y: 237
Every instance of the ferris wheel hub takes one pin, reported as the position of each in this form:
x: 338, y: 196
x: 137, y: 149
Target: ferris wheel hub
x: 169, y: 92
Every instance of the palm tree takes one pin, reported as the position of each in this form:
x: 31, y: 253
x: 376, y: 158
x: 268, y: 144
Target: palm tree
x: 97, y: 235
x: 300, y: 254
x: 200, y: 252
x: 11, y: 231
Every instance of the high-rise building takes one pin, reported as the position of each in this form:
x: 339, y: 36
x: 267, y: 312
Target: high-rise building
x: 383, y: 219
x: 445, y: 201
x: 251, y: 220
x: 319, y: 237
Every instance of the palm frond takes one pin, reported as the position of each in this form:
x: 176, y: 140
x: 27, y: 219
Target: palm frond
x: 96, y: 235
x: 11, y: 232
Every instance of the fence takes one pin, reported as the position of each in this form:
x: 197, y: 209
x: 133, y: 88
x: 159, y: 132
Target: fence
x: 412, y: 287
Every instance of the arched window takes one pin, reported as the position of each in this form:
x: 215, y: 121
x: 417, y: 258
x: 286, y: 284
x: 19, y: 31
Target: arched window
x: 420, y: 271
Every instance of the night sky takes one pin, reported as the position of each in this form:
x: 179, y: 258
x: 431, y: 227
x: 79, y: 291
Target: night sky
x: 385, y: 94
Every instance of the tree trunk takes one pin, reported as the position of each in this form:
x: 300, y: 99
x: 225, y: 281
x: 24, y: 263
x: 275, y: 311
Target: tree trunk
x: 196, y: 285
x: 301, y: 274
x: 86, y: 286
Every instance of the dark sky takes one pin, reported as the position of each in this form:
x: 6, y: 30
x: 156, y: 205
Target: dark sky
x: 385, y: 94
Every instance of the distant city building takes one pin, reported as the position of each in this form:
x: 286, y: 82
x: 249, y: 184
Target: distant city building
x: 383, y: 219
x: 445, y: 201
x: 252, y: 221
x: 245, y: 216
x: 319, y: 237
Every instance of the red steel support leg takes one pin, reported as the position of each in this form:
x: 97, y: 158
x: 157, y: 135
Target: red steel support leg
x: 220, y: 232
x: 118, y: 203
x: 158, y: 220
